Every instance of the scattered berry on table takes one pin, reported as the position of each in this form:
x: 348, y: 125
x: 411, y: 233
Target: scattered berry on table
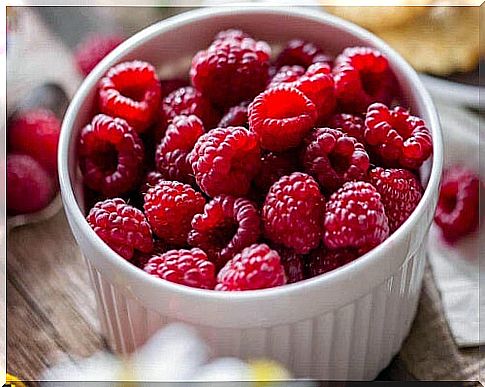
x: 321, y: 260
x: 334, y: 158
x: 110, y: 155
x: 225, y: 227
x: 29, y: 187
x: 235, y: 116
x: 225, y: 161
x: 398, y: 138
x: 131, y: 90
x: 122, y: 227
x: 35, y: 133
x: 363, y: 76
x: 293, y: 213
x: 187, y: 101
x: 280, y: 117
x: 301, y: 53
x: 231, y: 70
x: 256, y: 267
x: 458, y: 210
x: 169, y: 207
x: 172, y: 153
x: 185, y: 267
x: 400, y: 192
x: 93, y: 49
x: 355, y: 218
x: 351, y: 124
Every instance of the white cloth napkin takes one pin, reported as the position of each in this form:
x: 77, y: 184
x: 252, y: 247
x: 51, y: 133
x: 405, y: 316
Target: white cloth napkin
x: 456, y: 268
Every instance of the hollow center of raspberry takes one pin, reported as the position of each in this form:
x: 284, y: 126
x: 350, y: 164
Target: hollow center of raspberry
x: 370, y: 83
x: 281, y: 107
x: 448, y: 198
x: 222, y: 234
x: 135, y: 93
x: 339, y: 163
x: 106, y: 158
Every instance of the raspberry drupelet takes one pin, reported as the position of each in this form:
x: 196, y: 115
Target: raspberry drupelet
x: 397, y: 137
x: 321, y: 260
x: 171, y: 156
x: 355, y: 218
x: 169, y: 207
x: 292, y: 262
x: 273, y: 167
x: 225, y: 160
x: 184, y: 267
x: 400, y: 192
x: 131, y: 90
x: 362, y: 76
x: 256, y: 267
x: 293, y: 213
x: 122, y: 227
x: 235, y: 116
x: 110, y: 155
x: 334, y: 158
x: 225, y: 227
x: 301, y: 53
x: 351, y: 124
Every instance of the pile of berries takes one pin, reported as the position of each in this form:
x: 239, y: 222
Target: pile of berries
x: 259, y: 172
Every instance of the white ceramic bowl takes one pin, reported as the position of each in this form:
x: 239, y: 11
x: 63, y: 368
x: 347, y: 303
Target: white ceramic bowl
x: 346, y: 324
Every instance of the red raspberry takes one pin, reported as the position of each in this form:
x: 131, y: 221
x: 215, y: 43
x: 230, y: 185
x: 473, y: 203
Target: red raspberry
x: 281, y: 116
x: 141, y: 259
x: 334, y: 158
x: 235, y: 116
x: 187, y: 101
x: 172, y: 153
x: 273, y: 167
x: 29, y: 187
x: 170, y: 207
x: 293, y: 213
x: 458, y: 212
x: 36, y: 133
x: 185, y: 267
x: 256, y: 267
x: 150, y: 180
x: 131, y: 90
x: 321, y: 260
x: 301, y: 53
x: 400, y: 192
x: 231, y: 34
x: 397, y: 137
x: 225, y: 160
x: 226, y: 226
x: 352, y: 125
x: 292, y: 262
x: 122, y: 227
x: 93, y: 49
x: 170, y: 85
x: 363, y: 76
x: 110, y: 155
x: 287, y: 74
x: 355, y: 218
x: 231, y: 70
x: 317, y: 84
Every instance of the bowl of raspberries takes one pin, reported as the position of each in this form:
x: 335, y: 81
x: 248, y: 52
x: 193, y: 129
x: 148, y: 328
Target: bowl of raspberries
x: 268, y: 175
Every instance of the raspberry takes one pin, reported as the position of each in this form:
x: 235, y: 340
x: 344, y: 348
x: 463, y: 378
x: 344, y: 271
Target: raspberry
x: 141, y: 259
x: 29, y: 187
x: 235, y: 116
x: 131, y: 90
x: 170, y: 207
x: 400, y: 192
x: 457, y: 213
x: 231, y: 34
x: 150, y: 180
x: 121, y: 226
x: 280, y: 117
x: 292, y: 262
x: 231, y: 70
x: 170, y: 85
x: 316, y: 83
x: 110, y: 155
x: 287, y: 74
x: 321, y: 260
x: 185, y: 267
x: 301, y: 53
x: 293, y: 213
x: 273, y: 167
x: 334, y: 158
x: 363, y: 76
x: 355, y: 218
x: 352, y: 125
x: 398, y: 138
x: 256, y: 267
x: 225, y: 160
x: 93, y: 49
x: 226, y: 226
x: 172, y: 153
x: 188, y: 101
x: 36, y: 133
